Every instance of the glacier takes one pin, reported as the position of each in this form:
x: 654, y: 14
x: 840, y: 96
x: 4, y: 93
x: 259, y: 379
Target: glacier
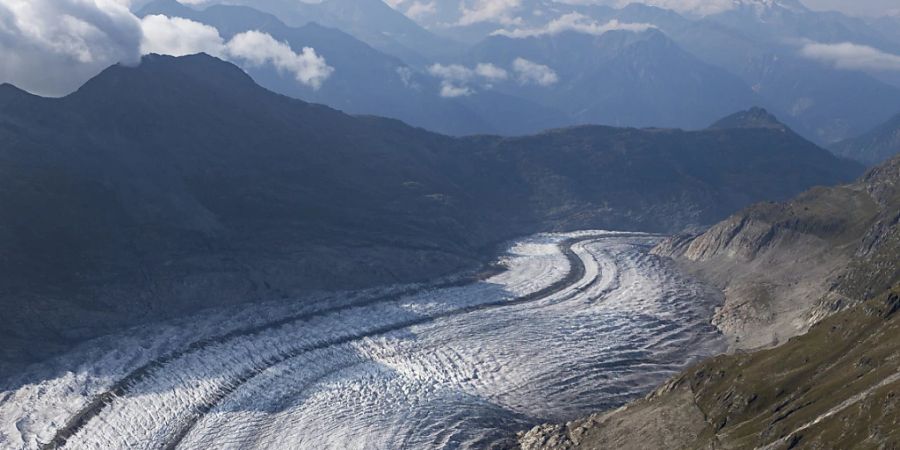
x: 577, y: 322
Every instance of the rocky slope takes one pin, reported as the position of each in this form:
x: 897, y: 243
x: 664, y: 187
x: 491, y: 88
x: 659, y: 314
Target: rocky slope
x: 180, y: 184
x: 783, y: 266
x: 825, y: 263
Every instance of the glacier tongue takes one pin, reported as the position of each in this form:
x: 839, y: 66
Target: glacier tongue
x: 578, y: 322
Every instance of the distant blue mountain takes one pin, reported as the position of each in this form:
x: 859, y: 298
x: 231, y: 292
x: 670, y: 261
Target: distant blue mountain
x: 622, y: 78
x: 367, y: 81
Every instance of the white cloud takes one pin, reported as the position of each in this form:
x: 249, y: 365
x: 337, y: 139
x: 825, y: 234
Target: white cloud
x: 491, y: 72
x: 450, y: 90
x: 458, y: 72
x: 452, y: 72
x: 574, y: 22
x: 50, y: 47
x: 698, y: 7
x: 256, y: 49
x: 406, y: 76
x: 529, y: 72
x: 178, y: 37
x: 456, y: 78
x: 852, y: 56
x: 497, y: 11
x: 419, y: 10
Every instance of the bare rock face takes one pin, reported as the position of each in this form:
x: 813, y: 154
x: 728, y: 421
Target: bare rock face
x: 786, y: 266
x: 771, y: 276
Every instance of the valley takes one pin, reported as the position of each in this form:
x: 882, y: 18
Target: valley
x: 449, y: 224
x: 240, y: 195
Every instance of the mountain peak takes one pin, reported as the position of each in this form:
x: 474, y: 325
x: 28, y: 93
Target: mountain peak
x: 163, y: 72
x: 755, y: 117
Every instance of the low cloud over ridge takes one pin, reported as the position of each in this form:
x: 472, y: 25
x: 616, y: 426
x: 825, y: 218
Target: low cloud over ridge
x: 574, y: 22
x: 456, y: 79
x: 529, y: 72
x: 51, y: 47
x: 257, y: 49
x: 177, y: 36
x: 850, y: 56
x: 497, y: 11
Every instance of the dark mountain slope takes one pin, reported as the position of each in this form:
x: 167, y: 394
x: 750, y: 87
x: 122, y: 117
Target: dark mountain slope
x: 656, y: 178
x: 180, y: 184
x: 876, y: 146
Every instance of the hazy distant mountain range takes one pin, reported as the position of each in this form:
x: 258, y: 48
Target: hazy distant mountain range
x: 546, y: 64
x: 182, y: 175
